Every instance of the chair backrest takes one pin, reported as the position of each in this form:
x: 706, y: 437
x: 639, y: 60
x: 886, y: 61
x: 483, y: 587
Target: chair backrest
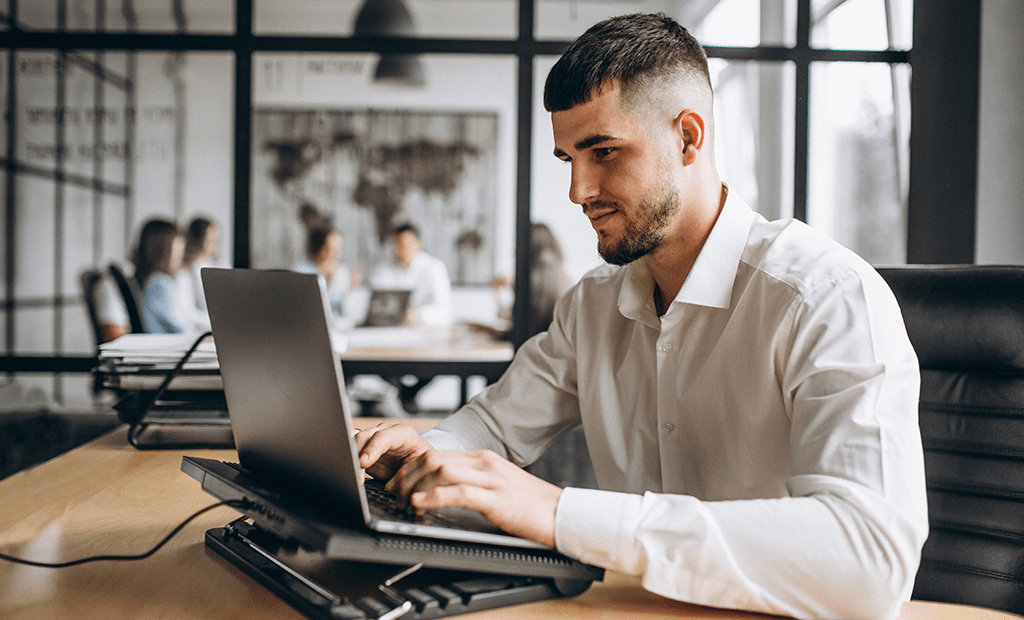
x: 132, y: 297
x: 967, y: 326
x: 90, y: 280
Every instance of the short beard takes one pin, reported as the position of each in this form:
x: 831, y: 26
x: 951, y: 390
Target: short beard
x: 644, y: 234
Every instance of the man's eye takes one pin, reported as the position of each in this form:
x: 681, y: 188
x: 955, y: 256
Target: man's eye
x: 601, y: 153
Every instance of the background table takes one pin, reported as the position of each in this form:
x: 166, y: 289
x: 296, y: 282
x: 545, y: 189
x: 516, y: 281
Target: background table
x: 107, y: 498
x: 384, y: 351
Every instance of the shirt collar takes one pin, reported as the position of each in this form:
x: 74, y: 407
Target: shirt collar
x: 710, y: 282
x: 711, y: 279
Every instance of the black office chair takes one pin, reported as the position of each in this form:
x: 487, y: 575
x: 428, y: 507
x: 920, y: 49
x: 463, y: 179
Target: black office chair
x: 967, y: 325
x: 90, y: 281
x: 132, y: 296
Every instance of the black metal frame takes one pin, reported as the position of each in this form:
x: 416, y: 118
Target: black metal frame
x: 947, y: 34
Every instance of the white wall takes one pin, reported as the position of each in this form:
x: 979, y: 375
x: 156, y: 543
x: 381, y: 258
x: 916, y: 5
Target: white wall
x: 1000, y: 224
x: 453, y: 83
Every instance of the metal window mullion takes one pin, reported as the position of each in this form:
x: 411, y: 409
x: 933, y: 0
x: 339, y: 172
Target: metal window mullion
x: 10, y: 195
x: 59, y: 197
x: 130, y: 108
x: 802, y: 108
x: 524, y: 162
x: 98, y: 136
x: 131, y: 19
x: 243, y: 51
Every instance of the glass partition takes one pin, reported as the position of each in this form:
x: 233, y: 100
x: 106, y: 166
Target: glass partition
x: 103, y: 141
x: 862, y: 24
x: 369, y: 155
x: 441, y: 19
x: 858, y: 158
x: 732, y: 23
x: 155, y: 16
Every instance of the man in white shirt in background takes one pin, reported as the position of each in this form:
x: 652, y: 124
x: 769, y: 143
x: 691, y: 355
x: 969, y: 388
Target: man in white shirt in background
x: 747, y: 388
x: 426, y: 276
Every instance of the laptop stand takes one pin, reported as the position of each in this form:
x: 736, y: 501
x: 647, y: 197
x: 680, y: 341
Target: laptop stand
x: 328, y: 569
x: 323, y: 589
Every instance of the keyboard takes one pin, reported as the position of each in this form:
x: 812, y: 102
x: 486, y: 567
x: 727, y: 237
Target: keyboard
x: 384, y: 506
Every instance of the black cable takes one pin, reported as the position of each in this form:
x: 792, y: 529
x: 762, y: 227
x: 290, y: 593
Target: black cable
x: 234, y: 503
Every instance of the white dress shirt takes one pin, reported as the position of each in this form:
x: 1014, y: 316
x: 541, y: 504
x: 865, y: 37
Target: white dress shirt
x: 756, y: 447
x: 427, y: 278
x: 190, y: 299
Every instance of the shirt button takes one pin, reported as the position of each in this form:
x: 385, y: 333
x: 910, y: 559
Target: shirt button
x: 669, y: 426
x: 666, y: 347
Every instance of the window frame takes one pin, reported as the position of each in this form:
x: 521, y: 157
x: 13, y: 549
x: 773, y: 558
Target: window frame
x: 942, y: 187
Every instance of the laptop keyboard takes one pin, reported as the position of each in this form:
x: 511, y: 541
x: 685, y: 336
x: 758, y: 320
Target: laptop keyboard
x: 384, y: 505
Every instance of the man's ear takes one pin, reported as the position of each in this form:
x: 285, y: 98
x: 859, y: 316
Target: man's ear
x: 689, y: 126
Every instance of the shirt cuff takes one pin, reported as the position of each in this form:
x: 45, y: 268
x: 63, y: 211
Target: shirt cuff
x: 597, y: 527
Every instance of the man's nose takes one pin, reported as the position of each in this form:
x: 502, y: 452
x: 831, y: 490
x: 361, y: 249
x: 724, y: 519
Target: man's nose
x: 584, y: 184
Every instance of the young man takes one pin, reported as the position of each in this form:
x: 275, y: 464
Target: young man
x: 425, y: 275
x: 747, y: 388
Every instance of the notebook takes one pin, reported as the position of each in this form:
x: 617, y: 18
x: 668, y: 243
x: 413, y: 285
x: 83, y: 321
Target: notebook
x: 387, y: 308
x: 289, y: 412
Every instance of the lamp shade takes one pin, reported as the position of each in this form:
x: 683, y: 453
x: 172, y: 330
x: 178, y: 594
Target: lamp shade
x: 383, y: 18
x: 390, y: 18
x: 400, y: 69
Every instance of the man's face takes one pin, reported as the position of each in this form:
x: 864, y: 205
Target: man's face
x: 620, y: 176
x: 331, y: 252
x: 407, y: 245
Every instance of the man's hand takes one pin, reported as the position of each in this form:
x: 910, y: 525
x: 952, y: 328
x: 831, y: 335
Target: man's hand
x: 513, y: 499
x: 385, y: 448
x: 423, y: 478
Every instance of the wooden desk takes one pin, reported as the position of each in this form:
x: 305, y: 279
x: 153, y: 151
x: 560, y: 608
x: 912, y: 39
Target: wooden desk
x: 107, y: 498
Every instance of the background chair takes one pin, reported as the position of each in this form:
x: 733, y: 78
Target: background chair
x: 89, y: 281
x: 132, y: 297
x: 967, y: 325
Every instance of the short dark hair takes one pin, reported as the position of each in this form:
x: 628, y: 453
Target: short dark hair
x: 407, y: 227
x: 316, y: 239
x: 632, y: 50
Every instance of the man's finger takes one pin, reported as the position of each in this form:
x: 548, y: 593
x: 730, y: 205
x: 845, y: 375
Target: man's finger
x: 443, y: 468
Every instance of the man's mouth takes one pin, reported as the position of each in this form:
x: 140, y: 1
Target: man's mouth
x: 599, y: 215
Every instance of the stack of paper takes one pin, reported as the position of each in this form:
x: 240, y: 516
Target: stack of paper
x: 141, y: 361
x: 159, y: 350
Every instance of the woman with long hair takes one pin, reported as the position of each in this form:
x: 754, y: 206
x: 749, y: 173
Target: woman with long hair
x: 158, y: 258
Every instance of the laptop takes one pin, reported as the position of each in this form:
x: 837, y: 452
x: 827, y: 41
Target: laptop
x: 387, y: 308
x: 289, y: 412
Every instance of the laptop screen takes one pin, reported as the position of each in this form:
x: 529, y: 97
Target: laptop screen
x: 283, y: 383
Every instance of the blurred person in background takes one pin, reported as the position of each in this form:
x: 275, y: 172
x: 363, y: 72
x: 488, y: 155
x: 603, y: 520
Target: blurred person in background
x: 548, y: 280
x: 158, y: 259
x: 413, y: 269
x: 202, y: 243
x: 324, y: 245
